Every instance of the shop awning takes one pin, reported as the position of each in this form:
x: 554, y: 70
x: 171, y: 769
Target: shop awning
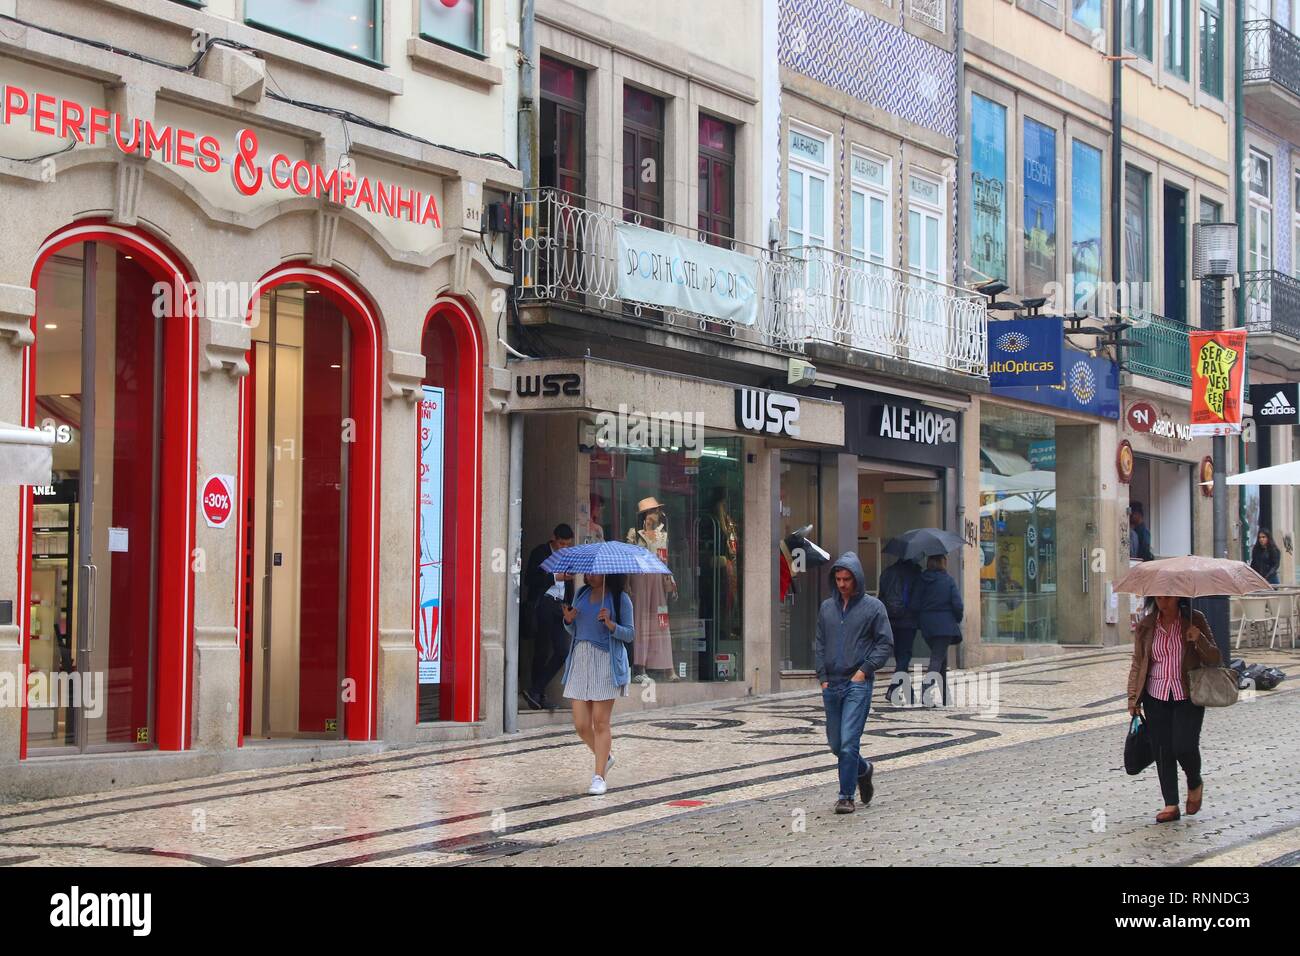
x: 26, y: 455
x: 1287, y: 474
x: 1006, y: 462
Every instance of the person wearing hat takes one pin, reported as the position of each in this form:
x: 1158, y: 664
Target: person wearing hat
x: 653, y: 647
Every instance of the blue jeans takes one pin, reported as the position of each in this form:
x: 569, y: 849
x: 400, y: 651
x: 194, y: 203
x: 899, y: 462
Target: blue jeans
x: 847, y: 705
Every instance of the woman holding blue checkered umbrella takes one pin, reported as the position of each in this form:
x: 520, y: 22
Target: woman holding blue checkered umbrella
x: 600, y: 621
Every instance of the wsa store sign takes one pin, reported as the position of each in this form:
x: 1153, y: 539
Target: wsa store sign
x: 1025, y: 352
x: 686, y: 276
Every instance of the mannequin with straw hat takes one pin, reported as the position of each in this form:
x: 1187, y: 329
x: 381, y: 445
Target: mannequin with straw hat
x: 653, y: 646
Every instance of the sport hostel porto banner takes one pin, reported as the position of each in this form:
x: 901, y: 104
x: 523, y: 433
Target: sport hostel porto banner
x: 677, y: 273
x: 1218, y: 373
x: 1026, y: 352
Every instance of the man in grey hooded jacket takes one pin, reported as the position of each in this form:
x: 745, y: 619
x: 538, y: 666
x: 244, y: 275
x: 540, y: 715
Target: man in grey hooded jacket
x: 854, y: 640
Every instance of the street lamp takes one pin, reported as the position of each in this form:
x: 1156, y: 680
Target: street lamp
x: 1214, y: 260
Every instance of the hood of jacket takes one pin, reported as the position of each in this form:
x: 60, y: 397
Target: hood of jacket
x: 848, y: 561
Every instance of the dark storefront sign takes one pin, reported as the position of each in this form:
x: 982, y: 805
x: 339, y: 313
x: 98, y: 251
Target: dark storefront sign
x: 891, y: 428
x: 767, y: 413
x: 1277, y: 404
x: 1025, y: 352
x: 1091, y: 386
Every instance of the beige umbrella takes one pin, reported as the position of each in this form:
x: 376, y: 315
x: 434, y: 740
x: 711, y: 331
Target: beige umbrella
x: 1191, y: 576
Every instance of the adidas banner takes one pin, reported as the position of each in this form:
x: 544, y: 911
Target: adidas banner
x: 1276, y: 404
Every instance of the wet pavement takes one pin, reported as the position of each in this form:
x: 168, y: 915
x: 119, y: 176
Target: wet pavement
x: 1038, y: 779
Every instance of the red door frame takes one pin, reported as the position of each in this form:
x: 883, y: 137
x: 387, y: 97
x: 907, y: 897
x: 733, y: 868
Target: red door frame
x: 362, y: 637
x: 465, y: 550
x: 174, y: 667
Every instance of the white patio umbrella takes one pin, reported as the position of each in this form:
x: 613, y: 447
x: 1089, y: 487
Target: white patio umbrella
x: 1288, y: 474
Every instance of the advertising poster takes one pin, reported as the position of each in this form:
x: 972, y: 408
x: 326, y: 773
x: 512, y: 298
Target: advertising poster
x: 429, y: 625
x: 1085, y: 223
x: 1040, y: 207
x: 1218, y: 373
x: 867, y: 513
x: 676, y: 273
x: 1010, y: 579
x: 988, y: 245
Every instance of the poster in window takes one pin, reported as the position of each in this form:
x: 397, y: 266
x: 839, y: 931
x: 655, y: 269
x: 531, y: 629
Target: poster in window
x: 1085, y: 225
x: 1040, y: 207
x: 429, y: 625
x: 988, y: 246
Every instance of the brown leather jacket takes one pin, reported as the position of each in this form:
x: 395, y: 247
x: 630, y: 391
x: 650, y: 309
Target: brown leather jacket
x: 1203, y: 650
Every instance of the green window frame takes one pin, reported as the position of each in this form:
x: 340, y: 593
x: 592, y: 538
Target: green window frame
x: 428, y: 30
x: 1211, y: 49
x: 1176, y: 38
x: 274, y: 17
x: 1138, y: 27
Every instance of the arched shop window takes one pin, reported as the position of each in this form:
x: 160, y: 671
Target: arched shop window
x: 448, y: 526
x: 104, y: 568
x: 309, y: 511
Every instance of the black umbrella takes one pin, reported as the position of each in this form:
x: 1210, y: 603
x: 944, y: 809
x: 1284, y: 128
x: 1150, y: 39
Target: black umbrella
x: 921, y: 543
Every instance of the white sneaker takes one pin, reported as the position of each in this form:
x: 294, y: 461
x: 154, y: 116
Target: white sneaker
x: 609, y: 763
x: 597, y: 787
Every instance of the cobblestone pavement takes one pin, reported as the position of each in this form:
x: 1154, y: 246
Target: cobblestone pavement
x: 1035, y: 780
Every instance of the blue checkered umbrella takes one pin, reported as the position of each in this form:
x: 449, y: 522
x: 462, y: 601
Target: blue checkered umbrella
x: 604, y: 557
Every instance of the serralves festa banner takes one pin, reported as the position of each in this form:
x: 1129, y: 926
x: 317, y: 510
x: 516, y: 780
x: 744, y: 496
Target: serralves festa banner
x: 1218, y: 373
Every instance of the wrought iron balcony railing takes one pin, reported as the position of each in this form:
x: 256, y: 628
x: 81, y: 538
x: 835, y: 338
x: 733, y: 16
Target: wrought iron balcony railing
x: 1272, y: 303
x: 566, y: 250
x: 1272, y: 54
x: 1165, y: 354
x: 827, y: 296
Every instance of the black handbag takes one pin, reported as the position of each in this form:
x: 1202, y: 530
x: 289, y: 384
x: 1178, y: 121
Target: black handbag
x: 1138, y: 754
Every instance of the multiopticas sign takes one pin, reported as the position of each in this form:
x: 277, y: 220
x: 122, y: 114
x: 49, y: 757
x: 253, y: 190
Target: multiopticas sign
x: 1020, y: 368
x: 68, y: 120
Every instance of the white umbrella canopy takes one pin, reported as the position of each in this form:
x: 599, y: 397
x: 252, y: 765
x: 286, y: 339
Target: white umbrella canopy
x: 1287, y: 474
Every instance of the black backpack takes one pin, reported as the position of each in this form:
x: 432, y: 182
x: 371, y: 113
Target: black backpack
x: 896, y: 590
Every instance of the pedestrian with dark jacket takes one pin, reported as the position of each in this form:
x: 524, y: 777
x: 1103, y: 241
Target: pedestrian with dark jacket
x: 937, y: 604
x: 853, y: 642
x: 547, y: 596
x: 897, y: 582
x: 1265, y: 558
x: 1169, y: 643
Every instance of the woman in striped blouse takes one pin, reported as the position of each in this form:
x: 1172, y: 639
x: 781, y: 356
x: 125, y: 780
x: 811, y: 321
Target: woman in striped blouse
x: 1171, y: 641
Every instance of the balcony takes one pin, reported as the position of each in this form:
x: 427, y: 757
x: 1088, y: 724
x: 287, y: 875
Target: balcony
x: 1271, y: 73
x: 567, y: 253
x: 1272, y: 304
x: 829, y: 297
x: 1165, y: 354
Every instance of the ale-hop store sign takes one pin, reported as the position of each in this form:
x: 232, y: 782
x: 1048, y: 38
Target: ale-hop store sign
x: 893, y: 428
x: 685, y: 275
x: 1026, y: 351
x: 1218, y: 374
x: 68, y: 120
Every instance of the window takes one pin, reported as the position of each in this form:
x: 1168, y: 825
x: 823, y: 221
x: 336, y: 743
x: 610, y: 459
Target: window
x: 869, y: 238
x: 1295, y: 222
x: 643, y: 154
x: 1085, y: 223
x: 988, y: 239
x: 929, y: 12
x: 1212, y: 47
x: 925, y: 227
x: 717, y: 164
x: 1176, y: 37
x: 1086, y: 13
x: 348, y: 26
x: 809, y: 184
x: 563, y: 126
x: 1137, y: 27
x: 1040, y: 207
x: 1137, y: 243
x: 1259, y: 214
x: 457, y: 23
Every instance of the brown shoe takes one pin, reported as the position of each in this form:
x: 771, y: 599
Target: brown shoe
x: 844, y: 806
x: 1165, y: 816
x: 1194, y: 802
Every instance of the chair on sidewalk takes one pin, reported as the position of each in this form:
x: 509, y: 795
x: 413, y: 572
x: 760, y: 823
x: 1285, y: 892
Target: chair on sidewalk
x: 1259, y: 609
